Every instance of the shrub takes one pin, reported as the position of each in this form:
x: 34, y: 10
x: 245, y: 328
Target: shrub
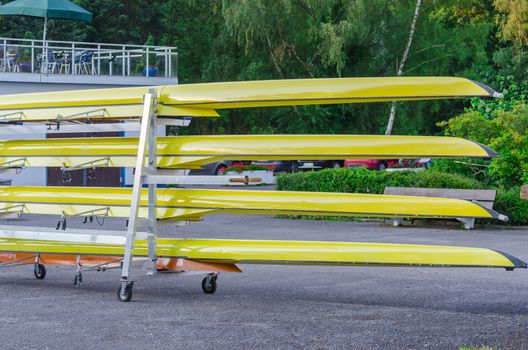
x: 509, y: 202
x: 435, y: 179
x: 506, y: 132
x: 472, y: 168
x: 362, y: 180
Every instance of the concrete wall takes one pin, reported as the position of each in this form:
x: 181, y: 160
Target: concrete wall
x: 7, y: 88
x: 85, y: 80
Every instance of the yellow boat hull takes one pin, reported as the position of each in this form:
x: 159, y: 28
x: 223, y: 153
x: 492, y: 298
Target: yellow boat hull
x: 201, y: 100
x: 192, y: 204
x: 194, y: 151
x: 224, y: 251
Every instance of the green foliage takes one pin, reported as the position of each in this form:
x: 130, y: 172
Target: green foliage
x: 514, y: 22
x: 293, y: 39
x: 25, y: 52
x: 515, y: 94
x: 472, y: 168
x: 264, y: 39
x: 434, y: 179
x: 121, y: 21
x: 362, y: 180
x: 509, y: 62
x: 153, y: 59
x: 506, y: 132
x: 510, y: 203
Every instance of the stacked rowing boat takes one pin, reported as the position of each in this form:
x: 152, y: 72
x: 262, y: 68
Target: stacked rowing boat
x: 192, y: 152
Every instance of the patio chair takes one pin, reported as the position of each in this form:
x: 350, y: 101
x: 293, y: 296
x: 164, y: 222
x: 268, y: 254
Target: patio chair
x: 84, y: 62
x: 47, y: 66
x: 9, y: 63
x: 12, y: 61
x: 63, y: 62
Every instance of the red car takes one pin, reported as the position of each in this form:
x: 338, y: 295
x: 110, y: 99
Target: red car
x: 372, y: 164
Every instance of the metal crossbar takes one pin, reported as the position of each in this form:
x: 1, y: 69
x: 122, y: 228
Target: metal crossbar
x: 97, y: 163
x: 99, y: 113
x: 8, y: 211
x: 8, y: 116
x: 61, y: 224
x: 17, y: 261
x: 74, y: 118
x: 93, y: 212
x: 15, y: 163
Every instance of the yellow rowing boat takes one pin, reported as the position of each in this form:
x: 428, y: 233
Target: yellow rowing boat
x: 194, y: 151
x: 230, y: 251
x: 192, y: 204
x: 202, y: 100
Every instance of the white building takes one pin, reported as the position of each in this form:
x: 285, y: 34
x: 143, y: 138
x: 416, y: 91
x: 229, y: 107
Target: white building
x: 34, y: 66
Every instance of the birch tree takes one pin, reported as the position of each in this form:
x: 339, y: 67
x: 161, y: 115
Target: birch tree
x: 392, y: 114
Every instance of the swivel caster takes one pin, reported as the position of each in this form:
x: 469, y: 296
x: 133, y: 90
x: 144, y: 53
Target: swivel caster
x: 39, y: 271
x: 124, y: 292
x: 77, y: 281
x: 209, y: 284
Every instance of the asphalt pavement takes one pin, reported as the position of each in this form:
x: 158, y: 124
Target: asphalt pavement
x: 279, y: 307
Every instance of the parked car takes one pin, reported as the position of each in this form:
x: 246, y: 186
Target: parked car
x: 216, y: 168
x: 285, y: 166
x: 320, y: 164
x: 372, y: 164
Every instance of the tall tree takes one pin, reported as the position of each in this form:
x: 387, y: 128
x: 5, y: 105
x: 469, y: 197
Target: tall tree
x: 513, y: 21
x: 233, y: 40
x: 392, y: 114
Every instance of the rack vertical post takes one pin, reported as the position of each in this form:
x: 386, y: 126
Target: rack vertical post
x: 147, y: 142
x: 152, y: 167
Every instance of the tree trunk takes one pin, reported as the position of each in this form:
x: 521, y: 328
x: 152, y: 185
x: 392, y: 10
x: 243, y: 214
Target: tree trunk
x: 392, y: 114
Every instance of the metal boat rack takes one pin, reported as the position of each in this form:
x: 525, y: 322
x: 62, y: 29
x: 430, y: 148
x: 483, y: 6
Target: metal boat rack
x: 146, y: 173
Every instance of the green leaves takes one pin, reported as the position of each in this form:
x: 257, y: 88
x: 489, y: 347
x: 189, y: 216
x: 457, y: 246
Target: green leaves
x: 504, y: 127
x: 362, y: 180
x: 233, y: 40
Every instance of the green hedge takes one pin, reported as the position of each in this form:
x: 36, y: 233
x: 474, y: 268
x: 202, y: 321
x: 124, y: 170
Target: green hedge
x: 509, y: 203
x: 361, y: 180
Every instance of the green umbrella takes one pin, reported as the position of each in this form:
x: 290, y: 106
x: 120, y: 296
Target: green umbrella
x: 54, y: 9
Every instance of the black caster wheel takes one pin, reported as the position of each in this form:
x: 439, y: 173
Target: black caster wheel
x: 40, y: 271
x: 77, y: 281
x: 127, y: 295
x: 209, y: 284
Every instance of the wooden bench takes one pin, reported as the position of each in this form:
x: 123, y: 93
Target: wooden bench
x: 483, y: 197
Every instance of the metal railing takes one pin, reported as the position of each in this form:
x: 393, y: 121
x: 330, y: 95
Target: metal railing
x: 85, y: 58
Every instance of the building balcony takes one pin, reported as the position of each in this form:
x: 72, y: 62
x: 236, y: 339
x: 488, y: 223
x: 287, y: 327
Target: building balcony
x: 65, y: 62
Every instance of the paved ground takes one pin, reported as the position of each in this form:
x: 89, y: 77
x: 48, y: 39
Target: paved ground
x: 271, y: 307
